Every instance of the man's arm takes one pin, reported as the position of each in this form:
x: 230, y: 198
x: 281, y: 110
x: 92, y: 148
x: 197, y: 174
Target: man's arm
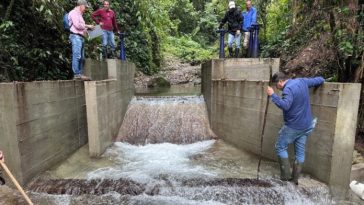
x: 96, y: 16
x: 313, y: 82
x: 241, y: 19
x: 76, y: 21
x: 223, y: 21
x: 114, y: 24
x: 286, y: 101
x: 254, y: 16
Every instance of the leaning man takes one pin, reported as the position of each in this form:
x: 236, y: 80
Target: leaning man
x: 298, y: 120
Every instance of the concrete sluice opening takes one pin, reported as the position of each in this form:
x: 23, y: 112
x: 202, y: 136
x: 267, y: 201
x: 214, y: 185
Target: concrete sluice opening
x: 199, y: 171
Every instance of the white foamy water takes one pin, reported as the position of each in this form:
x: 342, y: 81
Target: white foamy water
x: 175, y: 175
x: 144, y: 163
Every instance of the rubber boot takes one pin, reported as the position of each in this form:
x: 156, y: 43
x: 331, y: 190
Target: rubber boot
x: 230, y: 52
x: 285, y: 169
x: 114, y: 55
x: 247, y: 53
x: 297, y: 169
x: 237, y: 52
x: 104, y: 52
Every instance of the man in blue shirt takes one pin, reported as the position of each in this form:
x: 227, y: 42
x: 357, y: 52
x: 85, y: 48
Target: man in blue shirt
x: 298, y: 120
x: 249, y: 18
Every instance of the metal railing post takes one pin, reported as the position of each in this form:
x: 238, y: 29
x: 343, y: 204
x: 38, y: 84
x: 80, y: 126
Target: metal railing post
x: 255, y: 47
x: 222, y: 43
x: 122, y: 46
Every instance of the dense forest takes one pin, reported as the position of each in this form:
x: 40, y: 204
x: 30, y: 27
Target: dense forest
x: 312, y: 37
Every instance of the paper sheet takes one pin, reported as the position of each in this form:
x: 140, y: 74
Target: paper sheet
x: 96, y: 32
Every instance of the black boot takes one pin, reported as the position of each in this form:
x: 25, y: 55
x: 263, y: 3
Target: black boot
x: 285, y: 169
x: 104, y: 52
x: 237, y: 52
x: 297, y: 169
x: 230, y: 52
x: 114, y: 55
x: 246, y: 53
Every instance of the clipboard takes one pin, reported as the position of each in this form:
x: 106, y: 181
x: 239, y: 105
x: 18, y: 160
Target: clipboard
x: 96, y: 32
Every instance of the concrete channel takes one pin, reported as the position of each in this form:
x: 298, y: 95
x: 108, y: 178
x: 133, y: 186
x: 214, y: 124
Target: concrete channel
x: 39, y: 120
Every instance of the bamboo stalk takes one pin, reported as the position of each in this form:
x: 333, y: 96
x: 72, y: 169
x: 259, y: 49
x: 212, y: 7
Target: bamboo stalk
x: 15, y: 182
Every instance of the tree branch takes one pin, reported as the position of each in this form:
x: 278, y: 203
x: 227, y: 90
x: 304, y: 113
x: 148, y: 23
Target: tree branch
x: 8, y: 10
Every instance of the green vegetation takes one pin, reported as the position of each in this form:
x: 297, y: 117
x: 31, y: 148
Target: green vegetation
x: 33, y: 45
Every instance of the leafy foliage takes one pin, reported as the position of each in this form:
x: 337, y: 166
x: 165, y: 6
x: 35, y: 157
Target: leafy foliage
x: 28, y: 42
x: 188, y: 50
x: 45, y: 52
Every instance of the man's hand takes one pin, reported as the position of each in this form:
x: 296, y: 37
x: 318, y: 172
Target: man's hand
x: 270, y: 91
x: 2, y: 159
x: 92, y: 27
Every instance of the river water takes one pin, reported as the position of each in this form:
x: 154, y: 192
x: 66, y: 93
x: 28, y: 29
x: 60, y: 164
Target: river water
x: 206, y: 172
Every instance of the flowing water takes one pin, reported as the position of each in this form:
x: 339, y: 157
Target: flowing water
x: 169, y: 156
x: 206, y: 172
x: 178, y: 120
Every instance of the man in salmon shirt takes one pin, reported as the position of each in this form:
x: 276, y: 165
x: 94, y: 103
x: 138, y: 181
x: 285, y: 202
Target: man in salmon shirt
x: 78, y: 31
x: 107, y: 20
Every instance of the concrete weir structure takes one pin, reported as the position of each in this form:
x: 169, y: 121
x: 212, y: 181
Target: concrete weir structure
x: 42, y: 123
x: 235, y: 94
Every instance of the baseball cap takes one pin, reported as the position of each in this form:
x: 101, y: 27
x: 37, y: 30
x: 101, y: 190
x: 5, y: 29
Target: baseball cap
x: 231, y: 4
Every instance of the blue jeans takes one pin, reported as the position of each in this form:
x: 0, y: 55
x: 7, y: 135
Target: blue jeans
x: 108, y: 38
x: 232, y: 38
x: 288, y: 135
x: 78, y: 53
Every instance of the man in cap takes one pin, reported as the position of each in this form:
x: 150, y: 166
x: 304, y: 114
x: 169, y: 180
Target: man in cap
x: 107, y: 20
x: 78, y: 31
x: 234, y: 19
x: 298, y: 120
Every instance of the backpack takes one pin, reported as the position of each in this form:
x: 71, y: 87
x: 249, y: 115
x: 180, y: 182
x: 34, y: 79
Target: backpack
x: 66, y: 23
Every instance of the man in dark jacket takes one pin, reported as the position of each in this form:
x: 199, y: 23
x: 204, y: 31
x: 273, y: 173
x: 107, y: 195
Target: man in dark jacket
x: 234, y: 19
x: 298, y: 120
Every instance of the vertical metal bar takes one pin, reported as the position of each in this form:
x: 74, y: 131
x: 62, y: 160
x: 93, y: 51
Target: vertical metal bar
x: 222, y: 43
x: 122, y: 47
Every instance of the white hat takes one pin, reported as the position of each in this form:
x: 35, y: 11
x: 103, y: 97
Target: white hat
x: 231, y: 4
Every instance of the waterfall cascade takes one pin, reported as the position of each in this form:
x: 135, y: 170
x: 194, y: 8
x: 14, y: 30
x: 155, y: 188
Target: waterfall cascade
x: 178, y: 120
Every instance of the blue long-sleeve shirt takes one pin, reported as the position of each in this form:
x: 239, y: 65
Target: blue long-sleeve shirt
x: 249, y: 18
x: 295, y: 102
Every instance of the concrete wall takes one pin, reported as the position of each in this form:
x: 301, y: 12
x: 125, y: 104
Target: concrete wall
x: 235, y: 68
x: 237, y: 111
x: 95, y: 69
x: 107, y: 102
x: 41, y: 124
x: 253, y: 69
